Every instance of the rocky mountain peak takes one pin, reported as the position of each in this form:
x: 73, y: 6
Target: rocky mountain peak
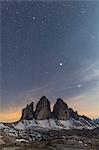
x: 61, y: 103
x: 59, y: 100
x: 73, y: 114
x: 43, y: 110
x: 60, y: 110
x: 28, y: 112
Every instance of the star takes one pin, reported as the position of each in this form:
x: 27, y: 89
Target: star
x: 79, y: 85
x: 60, y: 63
x: 34, y: 17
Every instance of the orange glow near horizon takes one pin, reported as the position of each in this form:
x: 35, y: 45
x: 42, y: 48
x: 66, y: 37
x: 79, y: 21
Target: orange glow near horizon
x: 10, y: 117
x: 15, y: 116
x: 90, y: 108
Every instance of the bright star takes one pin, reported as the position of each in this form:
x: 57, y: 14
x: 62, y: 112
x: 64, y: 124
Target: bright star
x: 33, y: 18
x: 79, y: 85
x: 61, y: 64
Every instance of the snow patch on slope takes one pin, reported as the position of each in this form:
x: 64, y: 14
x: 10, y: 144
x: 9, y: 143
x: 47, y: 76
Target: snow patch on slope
x: 47, y: 123
x: 67, y: 123
x: 54, y: 124
x: 43, y: 123
x: 24, y: 124
x: 2, y: 126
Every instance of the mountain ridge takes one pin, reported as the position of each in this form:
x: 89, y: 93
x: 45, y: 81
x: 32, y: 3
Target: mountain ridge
x: 60, y: 111
x: 42, y: 124
x: 60, y: 116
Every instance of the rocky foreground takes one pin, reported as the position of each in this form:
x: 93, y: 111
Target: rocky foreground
x: 61, y: 129
x: 51, y: 140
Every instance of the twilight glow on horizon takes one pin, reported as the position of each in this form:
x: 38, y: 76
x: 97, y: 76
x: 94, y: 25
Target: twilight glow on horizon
x: 49, y: 48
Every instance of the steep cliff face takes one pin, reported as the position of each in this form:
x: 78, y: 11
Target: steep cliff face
x: 60, y: 110
x: 73, y: 114
x: 61, y: 114
x: 43, y: 110
x: 28, y: 112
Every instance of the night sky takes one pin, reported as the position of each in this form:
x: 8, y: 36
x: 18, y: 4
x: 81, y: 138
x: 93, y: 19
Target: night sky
x: 49, y: 48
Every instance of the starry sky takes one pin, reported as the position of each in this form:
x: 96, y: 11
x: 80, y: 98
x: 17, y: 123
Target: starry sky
x: 49, y: 48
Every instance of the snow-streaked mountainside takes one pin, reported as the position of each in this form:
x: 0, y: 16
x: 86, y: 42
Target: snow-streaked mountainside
x: 42, y: 123
x: 54, y: 124
x: 96, y: 121
x: 50, y: 124
x: 38, y: 130
x: 2, y: 126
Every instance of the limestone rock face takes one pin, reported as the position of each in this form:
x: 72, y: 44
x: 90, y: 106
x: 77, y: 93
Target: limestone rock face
x: 43, y: 110
x: 73, y: 114
x: 28, y: 113
x: 86, y: 118
x: 60, y: 110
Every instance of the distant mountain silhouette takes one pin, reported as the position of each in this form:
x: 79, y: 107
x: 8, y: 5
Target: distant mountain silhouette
x: 61, y: 111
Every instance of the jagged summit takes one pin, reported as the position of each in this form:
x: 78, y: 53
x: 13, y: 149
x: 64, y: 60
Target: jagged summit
x: 43, y: 110
x: 60, y: 110
x: 41, y: 123
x: 59, y: 99
x: 28, y: 112
x: 61, y: 115
x: 73, y: 114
